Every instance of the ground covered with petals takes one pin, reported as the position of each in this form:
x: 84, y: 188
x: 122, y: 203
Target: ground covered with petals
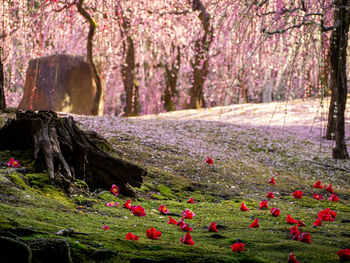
x: 248, y: 145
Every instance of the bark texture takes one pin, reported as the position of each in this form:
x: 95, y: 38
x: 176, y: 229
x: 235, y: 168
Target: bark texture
x: 2, y: 91
x: 68, y: 152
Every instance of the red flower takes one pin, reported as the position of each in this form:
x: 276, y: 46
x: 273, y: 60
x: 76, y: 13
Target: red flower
x: 263, y: 204
x: 209, y: 161
x: 244, y: 207
x: 163, y: 209
x: 292, y: 259
x: 212, y: 227
x: 186, y: 227
x: 112, y: 204
x: 305, y: 237
x: 152, y: 233
x: 115, y: 190
x: 272, y: 181
x: 318, y: 184
x: 270, y: 195
x: 317, y: 196
x: 238, y: 247
x: 138, y: 210
x: 344, y: 254
x: 290, y: 220
x: 255, y: 223
x: 275, y: 211
x: 172, y: 221
x: 327, y: 215
x: 127, y: 204
x: 187, y: 239
x: 13, y: 163
x: 181, y: 222
x: 329, y: 189
x: 297, y: 194
x: 188, y: 214
x: 333, y: 198
x: 294, y: 231
x: 130, y: 236
x: 105, y: 227
x: 300, y: 223
x: 190, y: 201
x: 318, y: 222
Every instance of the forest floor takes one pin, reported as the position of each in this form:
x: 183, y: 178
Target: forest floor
x: 249, y: 144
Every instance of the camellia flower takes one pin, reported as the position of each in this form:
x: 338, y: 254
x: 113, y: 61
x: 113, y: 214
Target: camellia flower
x: 163, y: 209
x: 212, y: 227
x: 186, y: 227
x: 292, y: 258
x: 255, y: 223
x: 300, y: 223
x: 105, y: 227
x: 270, y: 195
x: 115, y: 190
x: 275, y: 211
x: 333, y: 198
x: 297, y: 194
x: 172, y: 221
x: 318, y: 184
x: 244, y: 207
x: 263, y: 204
x: 188, y: 214
x: 318, y: 222
x: 329, y: 189
x: 138, y: 210
x: 152, y: 233
x: 294, y: 231
x: 13, y: 163
x: 190, y: 201
x: 327, y: 215
x: 317, y: 196
x: 290, y: 220
x: 127, y: 204
x: 238, y: 247
x: 344, y: 254
x: 209, y: 160
x: 305, y: 237
x: 130, y: 236
x: 112, y: 204
x: 272, y: 181
x: 187, y: 239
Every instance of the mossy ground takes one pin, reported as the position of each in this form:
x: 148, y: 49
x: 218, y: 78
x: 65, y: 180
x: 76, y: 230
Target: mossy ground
x: 244, y: 161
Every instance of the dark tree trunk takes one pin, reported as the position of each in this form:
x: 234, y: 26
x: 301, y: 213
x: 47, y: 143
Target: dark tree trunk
x: 97, y: 100
x: 338, y: 46
x: 68, y: 152
x: 131, y: 86
x: 2, y: 91
x: 172, y: 74
x: 200, y: 64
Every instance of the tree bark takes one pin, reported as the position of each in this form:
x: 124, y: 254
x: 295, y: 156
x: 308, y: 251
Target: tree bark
x: 2, y: 91
x: 68, y: 152
x: 201, y: 60
x: 171, y: 74
x: 97, y: 100
x: 338, y: 46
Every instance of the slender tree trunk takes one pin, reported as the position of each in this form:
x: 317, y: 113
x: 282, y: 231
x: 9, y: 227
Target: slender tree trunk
x: 338, y: 46
x: 131, y: 86
x: 2, y: 91
x: 201, y: 60
x: 97, y: 100
x: 172, y: 73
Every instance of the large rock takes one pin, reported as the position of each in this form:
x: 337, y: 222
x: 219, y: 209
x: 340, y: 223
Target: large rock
x: 60, y: 83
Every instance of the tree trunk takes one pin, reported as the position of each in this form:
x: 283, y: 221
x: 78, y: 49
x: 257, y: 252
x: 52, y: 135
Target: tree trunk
x: 68, y: 152
x: 201, y: 60
x: 338, y: 46
x: 171, y: 74
x: 97, y: 100
x: 2, y: 91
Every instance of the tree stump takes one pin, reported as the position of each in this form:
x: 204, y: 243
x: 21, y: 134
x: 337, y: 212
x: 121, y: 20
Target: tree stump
x: 68, y: 152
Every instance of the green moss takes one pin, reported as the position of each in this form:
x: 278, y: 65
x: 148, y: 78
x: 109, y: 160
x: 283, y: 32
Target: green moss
x: 17, y: 179
x: 162, y: 189
x: 38, y: 180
